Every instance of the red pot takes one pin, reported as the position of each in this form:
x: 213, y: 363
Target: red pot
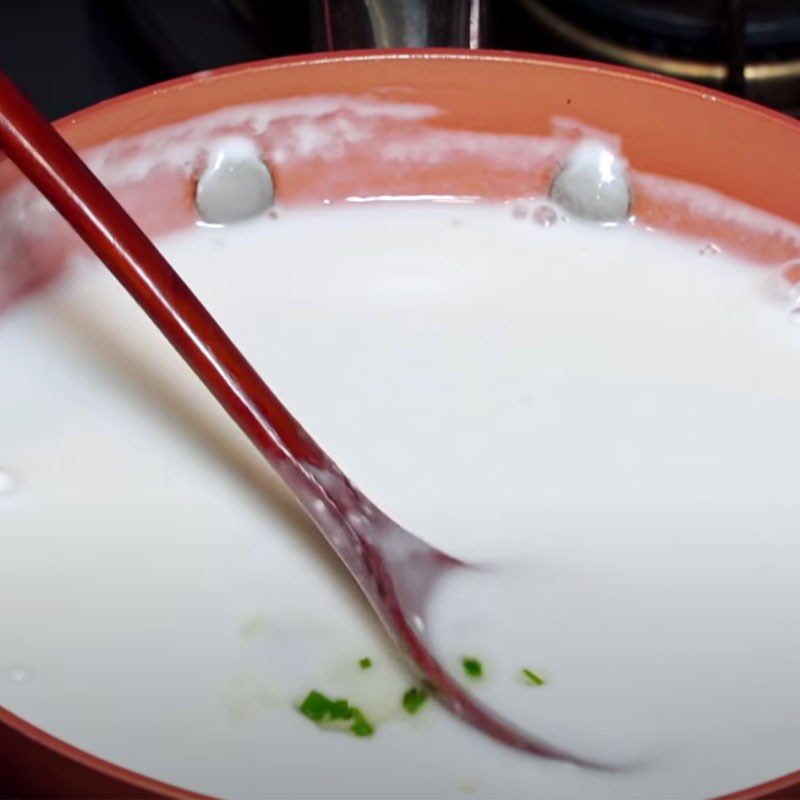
x: 668, y: 128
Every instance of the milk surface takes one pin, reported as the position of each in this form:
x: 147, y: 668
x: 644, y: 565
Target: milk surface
x: 607, y: 415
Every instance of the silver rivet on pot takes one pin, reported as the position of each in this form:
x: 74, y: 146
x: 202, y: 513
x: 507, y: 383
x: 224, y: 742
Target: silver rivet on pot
x: 593, y: 184
x: 236, y: 184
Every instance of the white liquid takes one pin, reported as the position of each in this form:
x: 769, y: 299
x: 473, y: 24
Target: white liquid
x: 608, y: 410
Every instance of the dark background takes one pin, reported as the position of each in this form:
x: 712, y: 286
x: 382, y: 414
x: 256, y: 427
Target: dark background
x: 69, y: 54
x: 59, y: 52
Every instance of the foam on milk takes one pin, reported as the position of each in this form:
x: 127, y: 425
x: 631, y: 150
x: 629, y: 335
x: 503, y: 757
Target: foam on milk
x: 605, y: 409
x: 8, y: 481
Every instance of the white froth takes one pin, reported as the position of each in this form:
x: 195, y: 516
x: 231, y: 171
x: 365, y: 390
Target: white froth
x: 8, y: 481
x: 326, y: 127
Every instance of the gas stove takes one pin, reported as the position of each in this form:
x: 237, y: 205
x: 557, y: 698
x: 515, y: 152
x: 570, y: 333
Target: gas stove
x: 747, y: 47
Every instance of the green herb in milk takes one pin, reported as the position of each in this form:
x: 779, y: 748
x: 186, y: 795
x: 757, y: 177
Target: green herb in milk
x: 534, y: 677
x: 321, y: 710
x: 414, y: 699
x: 472, y: 667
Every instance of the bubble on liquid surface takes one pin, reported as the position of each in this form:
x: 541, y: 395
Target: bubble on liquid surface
x: 593, y: 184
x: 709, y: 249
x: 18, y: 674
x: 8, y: 481
x: 519, y: 211
x: 544, y: 215
x: 794, y: 316
x: 787, y: 280
x: 235, y: 185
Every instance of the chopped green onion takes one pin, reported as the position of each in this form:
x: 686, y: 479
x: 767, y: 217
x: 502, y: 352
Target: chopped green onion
x: 533, y: 677
x: 414, y: 699
x: 365, y: 663
x: 340, y: 709
x: 472, y: 667
x: 316, y: 706
x: 320, y: 709
x: 360, y: 726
